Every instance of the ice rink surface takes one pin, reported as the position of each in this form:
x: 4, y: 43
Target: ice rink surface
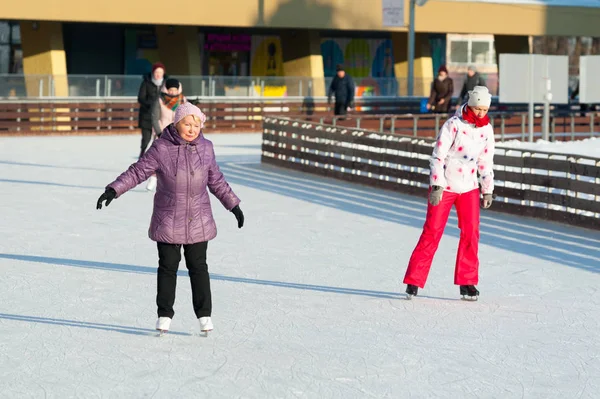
x: 308, y: 300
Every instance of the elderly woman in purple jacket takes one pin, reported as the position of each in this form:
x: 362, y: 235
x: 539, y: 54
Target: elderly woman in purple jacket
x: 184, y: 163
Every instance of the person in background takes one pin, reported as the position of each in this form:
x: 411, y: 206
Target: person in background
x: 441, y: 92
x: 583, y: 108
x: 464, y: 149
x: 148, y: 98
x: 163, y: 112
x: 342, y: 87
x: 184, y: 162
x: 472, y: 79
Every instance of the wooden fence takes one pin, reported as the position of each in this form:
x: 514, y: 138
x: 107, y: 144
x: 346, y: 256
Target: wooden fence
x: 557, y: 187
x: 387, y: 115
x: 43, y: 117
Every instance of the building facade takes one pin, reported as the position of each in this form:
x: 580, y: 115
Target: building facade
x: 280, y: 38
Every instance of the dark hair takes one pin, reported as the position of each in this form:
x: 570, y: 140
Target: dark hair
x: 443, y: 69
x: 339, y: 67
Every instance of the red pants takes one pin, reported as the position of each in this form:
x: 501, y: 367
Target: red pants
x: 466, y: 271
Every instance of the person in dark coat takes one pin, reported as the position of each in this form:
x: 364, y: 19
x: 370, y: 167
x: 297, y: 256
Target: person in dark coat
x: 441, y: 92
x: 342, y: 87
x: 148, y: 99
x: 584, y: 108
x: 473, y: 79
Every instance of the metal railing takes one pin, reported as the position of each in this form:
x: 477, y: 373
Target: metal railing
x: 387, y: 115
x: 20, y: 86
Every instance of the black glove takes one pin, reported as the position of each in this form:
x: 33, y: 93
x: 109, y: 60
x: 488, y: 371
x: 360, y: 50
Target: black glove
x: 239, y: 215
x: 109, y: 195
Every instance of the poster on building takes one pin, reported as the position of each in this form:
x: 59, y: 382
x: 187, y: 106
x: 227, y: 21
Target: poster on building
x: 267, y: 61
x: 392, y: 12
x: 370, y: 62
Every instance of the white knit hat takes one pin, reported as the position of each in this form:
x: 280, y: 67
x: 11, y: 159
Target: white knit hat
x: 480, y: 96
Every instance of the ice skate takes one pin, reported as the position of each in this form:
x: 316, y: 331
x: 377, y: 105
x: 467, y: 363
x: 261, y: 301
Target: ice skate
x: 163, y: 324
x: 206, y: 325
x: 411, y: 290
x: 469, y: 292
x: 151, y: 183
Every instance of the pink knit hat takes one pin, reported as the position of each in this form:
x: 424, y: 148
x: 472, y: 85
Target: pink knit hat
x: 186, y: 109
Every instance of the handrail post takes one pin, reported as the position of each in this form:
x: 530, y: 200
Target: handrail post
x: 415, y: 125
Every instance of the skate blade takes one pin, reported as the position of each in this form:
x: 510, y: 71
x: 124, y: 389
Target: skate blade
x: 409, y: 297
x: 162, y: 333
x: 470, y: 298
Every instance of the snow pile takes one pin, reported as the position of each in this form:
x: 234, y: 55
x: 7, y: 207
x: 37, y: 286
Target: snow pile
x: 588, y: 147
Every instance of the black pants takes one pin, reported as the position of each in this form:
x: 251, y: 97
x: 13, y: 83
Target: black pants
x: 146, y: 137
x: 340, y: 109
x: 169, y: 256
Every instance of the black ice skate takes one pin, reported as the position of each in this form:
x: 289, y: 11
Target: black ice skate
x: 411, y: 290
x: 469, y: 292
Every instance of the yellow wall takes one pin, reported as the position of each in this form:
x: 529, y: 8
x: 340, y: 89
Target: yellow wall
x: 435, y: 16
x: 423, y: 66
x: 302, y: 57
x: 506, y: 19
x: 44, y: 54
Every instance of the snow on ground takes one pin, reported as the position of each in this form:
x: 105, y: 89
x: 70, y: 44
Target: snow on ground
x: 588, y: 147
x: 307, y: 296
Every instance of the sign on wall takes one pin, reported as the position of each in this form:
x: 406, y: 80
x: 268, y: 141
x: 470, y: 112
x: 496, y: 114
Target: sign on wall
x: 393, y: 12
x: 527, y: 78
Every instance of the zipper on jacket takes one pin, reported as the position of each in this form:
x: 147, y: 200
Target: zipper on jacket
x: 201, y: 169
x: 188, y: 218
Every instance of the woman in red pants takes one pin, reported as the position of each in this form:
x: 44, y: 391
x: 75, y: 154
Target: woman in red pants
x: 464, y: 150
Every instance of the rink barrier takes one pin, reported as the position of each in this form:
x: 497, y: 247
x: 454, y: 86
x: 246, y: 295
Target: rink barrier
x: 557, y: 187
x: 242, y: 114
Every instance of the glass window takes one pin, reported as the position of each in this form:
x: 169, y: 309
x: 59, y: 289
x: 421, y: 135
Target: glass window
x: 459, y: 51
x: 480, y: 52
x: 16, y: 33
x: 17, y: 61
x: 4, y: 58
x: 4, y: 32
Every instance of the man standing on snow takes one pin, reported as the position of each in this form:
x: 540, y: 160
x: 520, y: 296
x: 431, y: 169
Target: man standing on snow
x: 473, y: 79
x: 342, y: 86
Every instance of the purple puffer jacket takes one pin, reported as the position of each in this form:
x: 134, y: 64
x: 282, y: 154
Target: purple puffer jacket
x: 182, y: 212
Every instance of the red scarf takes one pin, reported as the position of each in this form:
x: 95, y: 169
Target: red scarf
x: 470, y: 117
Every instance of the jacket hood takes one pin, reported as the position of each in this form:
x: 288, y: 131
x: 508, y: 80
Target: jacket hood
x: 459, y: 111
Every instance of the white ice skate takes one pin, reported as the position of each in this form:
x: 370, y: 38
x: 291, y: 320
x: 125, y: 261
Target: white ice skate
x: 206, y: 325
x: 163, y: 324
x: 151, y: 183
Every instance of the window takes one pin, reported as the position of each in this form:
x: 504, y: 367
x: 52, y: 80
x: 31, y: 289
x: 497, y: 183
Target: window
x: 459, y: 52
x: 480, y: 53
x: 11, y: 55
x: 471, y: 49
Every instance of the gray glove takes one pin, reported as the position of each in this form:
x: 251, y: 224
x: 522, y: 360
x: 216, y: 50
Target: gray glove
x: 435, y: 195
x: 486, y: 201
